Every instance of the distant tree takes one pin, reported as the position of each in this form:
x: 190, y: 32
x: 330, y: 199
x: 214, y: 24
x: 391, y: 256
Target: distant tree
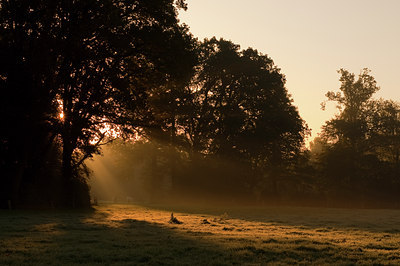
x: 384, y: 120
x: 357, y: 152
x: 350, y: 125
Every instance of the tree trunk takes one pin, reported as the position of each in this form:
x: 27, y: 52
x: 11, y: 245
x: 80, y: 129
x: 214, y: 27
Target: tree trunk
x: 67, y: 199
x: 17, y: 177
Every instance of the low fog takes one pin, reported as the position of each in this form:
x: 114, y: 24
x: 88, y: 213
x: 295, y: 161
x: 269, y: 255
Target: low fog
x: 146, y: 172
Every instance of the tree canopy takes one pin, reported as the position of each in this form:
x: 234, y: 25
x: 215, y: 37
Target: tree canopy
x: 70, y: 70
x: 234, y: 109
x: 358, y: 148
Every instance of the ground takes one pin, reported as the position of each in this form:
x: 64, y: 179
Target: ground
x: 127, y: 234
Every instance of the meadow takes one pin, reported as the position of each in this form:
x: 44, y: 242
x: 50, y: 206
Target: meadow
x: 128, y: 234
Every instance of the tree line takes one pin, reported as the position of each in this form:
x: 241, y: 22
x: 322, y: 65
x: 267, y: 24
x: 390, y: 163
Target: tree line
x: 206, y: 116
x: 354, y: 162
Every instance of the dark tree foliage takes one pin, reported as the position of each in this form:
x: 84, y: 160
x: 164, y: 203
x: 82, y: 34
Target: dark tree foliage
x: 240, y: 106
x: 243, y: 109
x: 72, y: 70
x: 353, y: 100
x: 384, y: 123
x: 357, y: 153
x: 235, y: 110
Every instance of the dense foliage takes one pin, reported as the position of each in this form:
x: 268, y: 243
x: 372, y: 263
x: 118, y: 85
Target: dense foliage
x: 234, y: 123
x: 207, y: 118
x: 70, y: 72
x: 357, y: 154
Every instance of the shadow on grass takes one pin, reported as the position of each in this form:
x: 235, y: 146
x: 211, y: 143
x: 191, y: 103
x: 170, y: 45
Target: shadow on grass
x: 95, y: 238
x: 98, y: 237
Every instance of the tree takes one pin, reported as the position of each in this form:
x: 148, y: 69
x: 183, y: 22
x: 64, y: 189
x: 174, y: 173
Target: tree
x: 241, y: 102
x: 91, y: 62
x: 233, y: 121
x: 384, y: 120
x: 236, y: 108
x: 27, y: 106
x: 347, y: 133
x: 360, y: 145
x: 350, y: 125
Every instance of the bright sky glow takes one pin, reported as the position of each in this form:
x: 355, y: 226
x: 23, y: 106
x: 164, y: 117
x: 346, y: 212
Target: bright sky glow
x: 310, y: 40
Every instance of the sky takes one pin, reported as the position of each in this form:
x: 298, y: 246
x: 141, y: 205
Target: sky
x: 310, y: 40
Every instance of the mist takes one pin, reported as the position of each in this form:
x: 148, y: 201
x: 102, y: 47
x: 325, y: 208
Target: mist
x: 146, y: 172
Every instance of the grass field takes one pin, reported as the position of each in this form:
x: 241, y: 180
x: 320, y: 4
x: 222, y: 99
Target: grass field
x: 130, y: 235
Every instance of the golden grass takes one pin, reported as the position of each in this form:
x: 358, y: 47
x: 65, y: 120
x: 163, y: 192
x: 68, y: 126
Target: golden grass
x: 131, y: 234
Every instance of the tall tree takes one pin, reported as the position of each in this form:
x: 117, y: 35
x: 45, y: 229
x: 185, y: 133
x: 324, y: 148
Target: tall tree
x: 79, y: 69
x: 244, y: 105
x: 360, y: 145
x: 237, y: 108
x: 352, y: 101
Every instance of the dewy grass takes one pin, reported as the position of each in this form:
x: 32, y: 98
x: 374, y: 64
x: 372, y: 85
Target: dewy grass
x: 131, y: 235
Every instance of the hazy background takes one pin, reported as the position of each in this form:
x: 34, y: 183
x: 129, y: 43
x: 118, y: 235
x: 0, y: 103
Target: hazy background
x: 310, y: 40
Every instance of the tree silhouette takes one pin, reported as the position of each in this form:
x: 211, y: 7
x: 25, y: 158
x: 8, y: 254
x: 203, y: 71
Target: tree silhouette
x: 91, y: 62
x: 241, y: 104
x: 384, y: 122
x: 358, y: 149
x: 235, y: 108
x: 352, y: 102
